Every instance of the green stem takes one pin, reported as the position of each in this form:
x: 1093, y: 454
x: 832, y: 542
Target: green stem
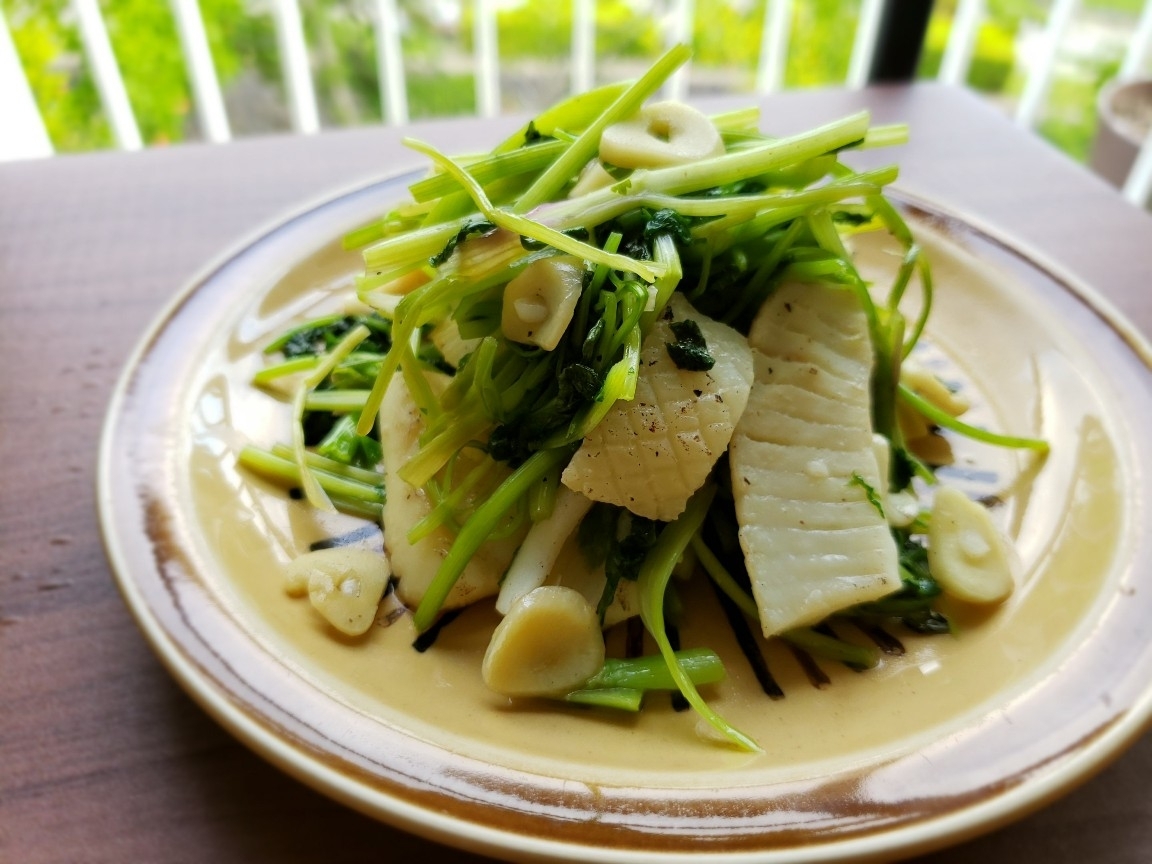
x: 618, y: 698
x: 943, y: 418
x: 549, y: 184
x: 831, y: 648
x: 287, y: 472
x: 651, y: 585
x: 336, y: 401
x: 525, y: 227
x: 477, y: 529
x: 331, y: 466
x: 723, y: 579
x: 701, y: 665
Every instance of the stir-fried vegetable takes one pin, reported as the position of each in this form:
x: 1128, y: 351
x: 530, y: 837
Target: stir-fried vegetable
x: 566, y: 334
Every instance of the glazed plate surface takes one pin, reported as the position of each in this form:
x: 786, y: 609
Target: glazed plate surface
x: 960, y: 734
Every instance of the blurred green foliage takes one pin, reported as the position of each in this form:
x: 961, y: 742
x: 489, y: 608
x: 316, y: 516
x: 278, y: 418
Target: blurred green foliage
x: 993, y: 57
x: 437, y: 50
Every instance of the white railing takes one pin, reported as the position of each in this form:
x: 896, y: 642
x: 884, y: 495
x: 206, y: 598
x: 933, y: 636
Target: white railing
x: 22, y: 132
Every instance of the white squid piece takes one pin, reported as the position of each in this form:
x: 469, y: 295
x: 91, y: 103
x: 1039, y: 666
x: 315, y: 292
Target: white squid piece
x: 650, y: 454
x: 803, y: 464
x: 415, y: 565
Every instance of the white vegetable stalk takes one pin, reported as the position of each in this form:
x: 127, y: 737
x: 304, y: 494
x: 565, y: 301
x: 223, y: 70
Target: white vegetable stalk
x: 541, y: 547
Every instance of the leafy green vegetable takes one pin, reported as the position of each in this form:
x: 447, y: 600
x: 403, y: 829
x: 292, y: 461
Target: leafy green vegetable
x: 724, y: 231
x: 869, y: 491
x: 690, y: 350
x: 476, y: 227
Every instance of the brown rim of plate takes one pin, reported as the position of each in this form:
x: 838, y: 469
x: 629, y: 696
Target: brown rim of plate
x: 880, y: 810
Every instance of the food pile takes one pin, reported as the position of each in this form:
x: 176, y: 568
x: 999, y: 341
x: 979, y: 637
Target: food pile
x: 625, y: 348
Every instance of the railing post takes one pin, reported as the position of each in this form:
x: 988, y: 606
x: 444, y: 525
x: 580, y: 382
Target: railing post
x: 683, y: 17
x: 899, y: 40
x: 109, y: 82
x: 583, y: 45
x: 201, y: 71
x: 23, y: 135
x: 774, y: 38
x: 1040, y: 76
x: 961, y: 42
x: 487, y: 58
x: 295, y: 67
x: 864, y: 44
x: 390, y: 63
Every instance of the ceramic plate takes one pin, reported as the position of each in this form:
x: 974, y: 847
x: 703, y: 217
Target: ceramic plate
x: 958, y: 735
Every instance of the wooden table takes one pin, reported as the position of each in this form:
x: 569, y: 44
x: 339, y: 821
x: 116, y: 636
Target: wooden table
x: 102, y: 757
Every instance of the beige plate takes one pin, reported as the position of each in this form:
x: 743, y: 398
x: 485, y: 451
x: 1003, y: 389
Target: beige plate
x: 953, y: 738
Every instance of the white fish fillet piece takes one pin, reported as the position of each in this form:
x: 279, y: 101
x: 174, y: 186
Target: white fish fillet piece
x: 650, y: 454
x: 414, y: 566
x: 812, y: 541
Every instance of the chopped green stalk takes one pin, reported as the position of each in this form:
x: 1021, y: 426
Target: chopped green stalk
x: 494, y: 167
x: 738, y: 208
x: 435, y: 453
x: 618, y: 698
x: 537, y: 231
x: 723, y: 579
x: 733, y: 167
x: 338, y: 469
x: 367, y: 234
x: 885, y: 136
x: 926, y: 290
x: 664, y: 251
x: 651, y: 584
x: 411, y: 249
x: 701, y: 665
x: 477, y: 529
x: 943, y: 418
x: 280, y: 370
x: 571, y: 116
x: 831, y: 648
x: 348, y: 495
x: 738, y: 120
x: 445, y: 508
x: 549, y: 184
x: 336, y: 401
x: 313, y: 491
x: 542, y: 499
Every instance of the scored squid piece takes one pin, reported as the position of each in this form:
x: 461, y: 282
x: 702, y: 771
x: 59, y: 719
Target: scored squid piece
x: 803, y: 464
x: 651, y: 453
x: 415, y: 564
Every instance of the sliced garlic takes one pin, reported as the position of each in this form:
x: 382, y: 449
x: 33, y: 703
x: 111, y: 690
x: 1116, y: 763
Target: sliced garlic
x: 549, y: 643
x: 539, y: 302
x: 592, y: 177
x: 925, y: 384
x: 967, y: 554
x: 344, y: 585
x: 445, y: 335
x: 659, y: 135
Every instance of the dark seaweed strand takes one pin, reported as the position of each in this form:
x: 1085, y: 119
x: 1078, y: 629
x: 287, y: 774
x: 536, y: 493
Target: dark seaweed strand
x: 885, y: 641
x: 746, y: 639
x: 816, y: 676
x: 428, y: 638
x: 368, y: 531
x: 679, y: 703
x: 634, y: 637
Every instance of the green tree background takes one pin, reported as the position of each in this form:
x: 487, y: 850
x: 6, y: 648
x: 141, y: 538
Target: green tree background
x: 533, y: 35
